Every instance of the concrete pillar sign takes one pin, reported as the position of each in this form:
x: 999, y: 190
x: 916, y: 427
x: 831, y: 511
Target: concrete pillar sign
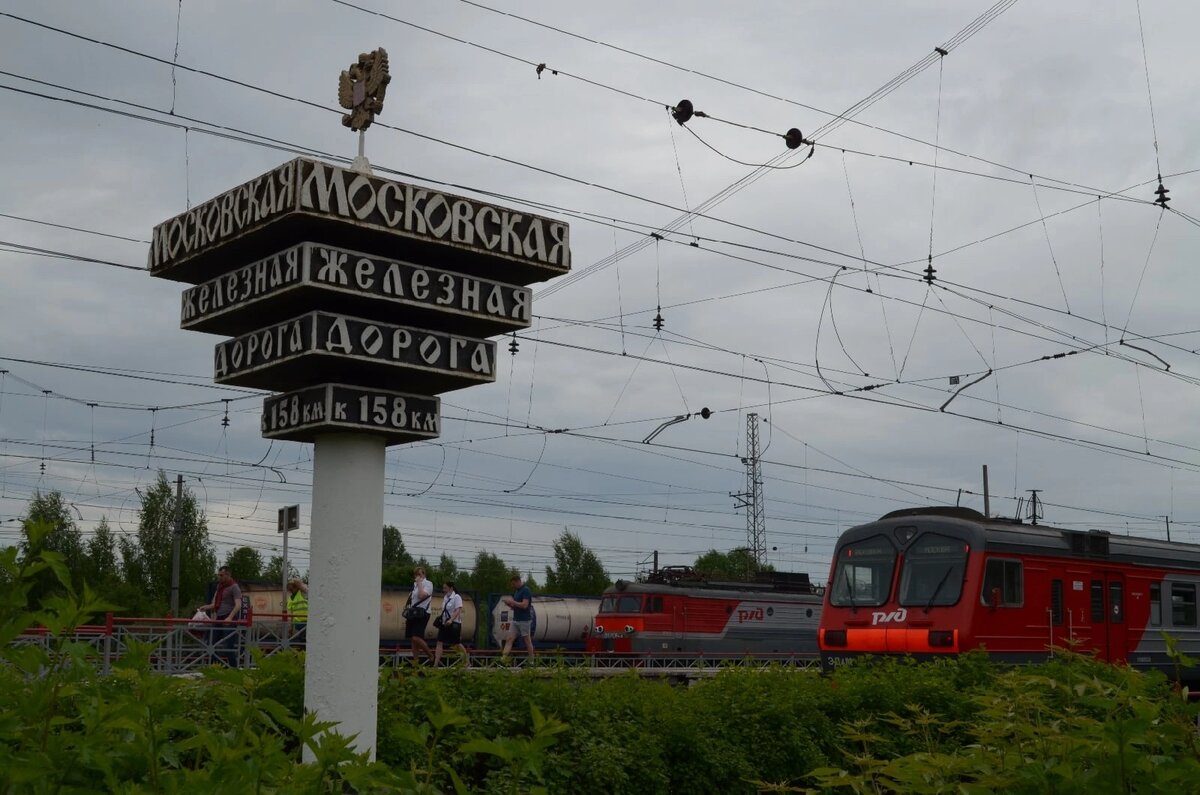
x: 333, y: 287
x: 341, y: 674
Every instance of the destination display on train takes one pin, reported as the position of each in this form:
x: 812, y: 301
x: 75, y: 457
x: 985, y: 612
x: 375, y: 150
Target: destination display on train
x: 288, y: 204
x: 303, y: 414
x: 311, y: 276
x: 341, y: 348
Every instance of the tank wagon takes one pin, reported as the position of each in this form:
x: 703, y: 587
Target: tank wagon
x: 559, y: 621
x: 267, y: 604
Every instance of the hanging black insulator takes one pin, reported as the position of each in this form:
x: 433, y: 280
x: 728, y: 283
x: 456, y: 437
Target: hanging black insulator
x: 929, y: 271
x: 682, y: 112
x: 658, y: 320
x: 1162, y: 192
x: 794, y: 138
x: 514, y: 346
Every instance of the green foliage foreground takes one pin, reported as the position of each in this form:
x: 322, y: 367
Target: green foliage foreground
x: 961, y: 726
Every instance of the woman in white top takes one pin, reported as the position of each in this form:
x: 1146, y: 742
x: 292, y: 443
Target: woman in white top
x: 421, y: 602
x: 450, y: 633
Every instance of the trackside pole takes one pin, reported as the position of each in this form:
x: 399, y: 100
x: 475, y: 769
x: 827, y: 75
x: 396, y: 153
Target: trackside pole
x: 341, y: 674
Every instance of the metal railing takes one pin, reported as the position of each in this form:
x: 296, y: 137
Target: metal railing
x: 177, y: 646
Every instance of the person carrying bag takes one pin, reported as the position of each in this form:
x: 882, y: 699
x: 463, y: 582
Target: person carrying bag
x: 416, y: 615
x: 449, y: 624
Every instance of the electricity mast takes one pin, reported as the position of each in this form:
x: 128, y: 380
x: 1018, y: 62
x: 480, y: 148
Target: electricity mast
x: 752, y: 498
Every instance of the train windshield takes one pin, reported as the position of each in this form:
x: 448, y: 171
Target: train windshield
x: 933, y: 571
x: 863, y: 576
x: 621, y: 603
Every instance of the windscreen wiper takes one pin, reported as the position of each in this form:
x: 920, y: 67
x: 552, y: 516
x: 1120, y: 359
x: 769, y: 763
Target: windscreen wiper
x: 938, y: 589
x: 849, y: 587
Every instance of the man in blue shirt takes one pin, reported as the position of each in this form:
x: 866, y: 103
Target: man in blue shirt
x: 521, y: 603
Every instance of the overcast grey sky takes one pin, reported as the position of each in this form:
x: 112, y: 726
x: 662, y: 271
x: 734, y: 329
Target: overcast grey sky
x: 786, y: 274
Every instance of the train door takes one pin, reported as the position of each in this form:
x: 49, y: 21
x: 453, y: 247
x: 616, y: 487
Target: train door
x: 1110, y: 637
x: 1118, y: 640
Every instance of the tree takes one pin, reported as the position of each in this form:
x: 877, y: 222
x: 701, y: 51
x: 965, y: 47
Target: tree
x: 397, y: 563
x: 147, y: 560
x: 244, y: 563
x: 274, y: 570
x: 51, y: 513
x: 447, y: 570
x: 489, y: 575
x: 737, y: 565
x: 100, y: 568
x: 577, y: 570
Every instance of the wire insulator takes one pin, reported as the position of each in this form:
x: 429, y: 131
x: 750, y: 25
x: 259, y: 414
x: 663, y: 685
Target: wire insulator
x: 682, y: 112
x: 1162, y: 192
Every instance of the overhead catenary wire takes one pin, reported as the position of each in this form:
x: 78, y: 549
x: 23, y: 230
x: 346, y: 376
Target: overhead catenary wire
x: 1105, y: 324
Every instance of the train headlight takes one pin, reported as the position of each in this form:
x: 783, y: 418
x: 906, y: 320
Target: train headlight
x: 629, y: 629
x: 943, y: 638
x: 598, y: 630
x: 835, y: 637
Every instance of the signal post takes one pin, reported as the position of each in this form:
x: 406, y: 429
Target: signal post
x: 356, y: 300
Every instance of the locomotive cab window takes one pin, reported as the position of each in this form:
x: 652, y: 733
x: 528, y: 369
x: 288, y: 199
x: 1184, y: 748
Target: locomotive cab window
x: 933, y: 571
x: 621, y: 603
x: 1003, y: 583
x: 863, y: 577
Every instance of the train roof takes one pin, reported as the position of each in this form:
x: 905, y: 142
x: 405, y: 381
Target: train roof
x: 682, y: 580
x: 1014, y: 536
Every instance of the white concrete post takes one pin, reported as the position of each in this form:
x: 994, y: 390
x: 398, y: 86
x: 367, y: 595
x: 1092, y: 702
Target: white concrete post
x: 341, y: 675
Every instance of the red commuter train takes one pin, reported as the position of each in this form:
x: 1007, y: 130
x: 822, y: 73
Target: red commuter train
x: 678, y: 612
x: 934, y: 581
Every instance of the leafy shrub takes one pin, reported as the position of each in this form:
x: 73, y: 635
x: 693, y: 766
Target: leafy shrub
x: 963, y: 725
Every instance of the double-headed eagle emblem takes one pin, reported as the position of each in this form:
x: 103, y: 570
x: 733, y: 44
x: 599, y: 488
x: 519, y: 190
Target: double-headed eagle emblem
x: 361, y: 89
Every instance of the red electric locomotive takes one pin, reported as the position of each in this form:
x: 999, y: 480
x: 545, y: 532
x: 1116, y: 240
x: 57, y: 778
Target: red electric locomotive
x: 932, y: 581
x: 676, y: 611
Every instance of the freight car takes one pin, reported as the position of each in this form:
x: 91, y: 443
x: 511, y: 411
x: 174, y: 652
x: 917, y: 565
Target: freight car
x: 939, y: 581
x: 267, y: 605
x: 678, y: 611
x: 559, y: 621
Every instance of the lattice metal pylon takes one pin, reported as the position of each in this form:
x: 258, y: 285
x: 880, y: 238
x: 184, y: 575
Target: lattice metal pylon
x: 756, y: 517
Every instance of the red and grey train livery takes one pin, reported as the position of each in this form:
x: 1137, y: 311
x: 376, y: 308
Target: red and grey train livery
x: 936, y: 581
x: 676, y: 611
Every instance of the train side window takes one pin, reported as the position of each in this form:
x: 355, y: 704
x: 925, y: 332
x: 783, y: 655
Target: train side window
x: 1005, y: 579
x: 1155, y: 605
x: 1056, y: 602
x: 1097, y: 601
x: 654, y: 604
x: 1183, y: 604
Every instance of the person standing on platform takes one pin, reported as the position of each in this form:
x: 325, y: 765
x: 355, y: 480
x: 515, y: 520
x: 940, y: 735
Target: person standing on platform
x: 416, y: 615
x: 297, y: 608
x: 521, y: 603
x: 450, y: 625
x: 226, y: 609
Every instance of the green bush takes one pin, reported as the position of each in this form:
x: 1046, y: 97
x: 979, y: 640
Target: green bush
x: 961, y: 725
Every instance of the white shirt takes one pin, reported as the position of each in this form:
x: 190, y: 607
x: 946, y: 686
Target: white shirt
x: 450, y: 604
x: 422, y: 593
